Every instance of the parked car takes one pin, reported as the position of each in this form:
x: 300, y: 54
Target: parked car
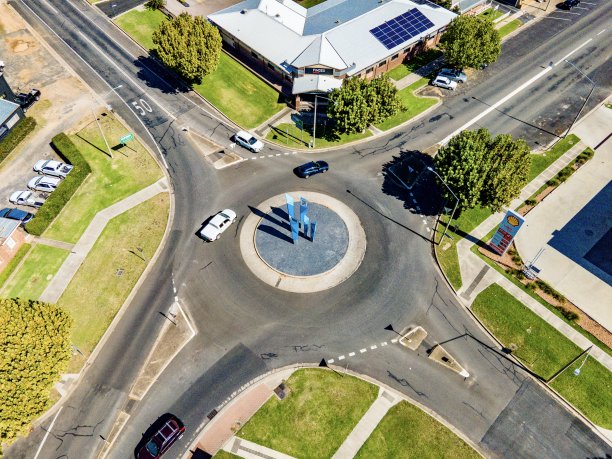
x: 43, y: 183
x: 161, y: 441
x: 311, y: 168
x: 444, y: 82
x: 16, y: 214
x: 248, y: 141
x: 27, y: 198
x: 569, y: 4
x: 218, y: 224
x: 52, y: 167
x: 454, y: 75
x: 27, y: 100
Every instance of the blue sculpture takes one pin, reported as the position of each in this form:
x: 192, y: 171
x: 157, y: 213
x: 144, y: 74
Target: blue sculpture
x: 313, y: 229
x: 294, y: 229
x: 304, y: 221
x: 290, y: 210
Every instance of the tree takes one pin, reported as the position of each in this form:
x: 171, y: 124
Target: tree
x: 470, y: 41
x: 482, y: 170
x: 189, y: 45
x: 34, y: 350
x: 359, y: 103
x: 155, y: 4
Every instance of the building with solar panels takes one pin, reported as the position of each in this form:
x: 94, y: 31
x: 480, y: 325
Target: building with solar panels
x: 310, y: 51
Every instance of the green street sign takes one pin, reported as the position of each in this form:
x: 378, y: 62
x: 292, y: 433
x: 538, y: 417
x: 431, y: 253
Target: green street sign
x: 299, y: 123
x: 126, y: 138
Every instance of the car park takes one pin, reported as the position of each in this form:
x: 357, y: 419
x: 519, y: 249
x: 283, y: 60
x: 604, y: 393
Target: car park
x: 26, y: 100
x: 311, y: 168
x: 52, y: 167
x: 248, y: 141
x: 27, y: 198
x: 454, y: 75
x: 162, y: 439
x: 16, y: 214
x: 43, y: 183
x: 443, y: 82
x: 218, y: 224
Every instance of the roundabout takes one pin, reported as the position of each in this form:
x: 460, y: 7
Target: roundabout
x: 310, y: 264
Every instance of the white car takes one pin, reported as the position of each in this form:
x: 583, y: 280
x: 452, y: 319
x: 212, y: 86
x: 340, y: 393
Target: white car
x: 52, y: 167
x: 218, y: 224
x: 27, y: 198
x: 444, y: 82
x: 42, y: 183
x: 248, y: 141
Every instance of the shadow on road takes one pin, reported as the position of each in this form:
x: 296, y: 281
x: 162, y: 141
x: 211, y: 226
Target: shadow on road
x: 157, y: 76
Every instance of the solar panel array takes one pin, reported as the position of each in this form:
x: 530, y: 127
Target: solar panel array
x: 401, y: 28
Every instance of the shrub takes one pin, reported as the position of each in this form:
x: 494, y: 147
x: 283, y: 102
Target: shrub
x: 62, y: 194
x: 532, y: 286
x: 520, y: 275
x: 16, y: 135
x: 569, y: 315
x: 155, y: 4
x: 553, y: 182
x: 565, y: 173
x: 531, y: 202
x: 517, y: 259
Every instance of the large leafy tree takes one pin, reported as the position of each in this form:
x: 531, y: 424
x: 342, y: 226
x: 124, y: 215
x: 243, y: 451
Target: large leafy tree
x: 191, y: 46
x: 483, y: 170
x: 359, y: 103
x: 470, y: 41
x: 34, y: 350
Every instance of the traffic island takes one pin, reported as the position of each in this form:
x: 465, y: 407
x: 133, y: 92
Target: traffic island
x: 440, y: 355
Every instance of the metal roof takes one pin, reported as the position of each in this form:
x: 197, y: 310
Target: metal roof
x: 7, y: 226
x: 315, y: 83
x: 7, y: 108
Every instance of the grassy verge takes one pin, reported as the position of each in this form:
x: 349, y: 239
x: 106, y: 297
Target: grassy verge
x: 491, y: 14
x: 15, y: 136
x: 545, y: 351
x: 112, y: 268
x: 414, y: 105
x: 314, y: 419
x: 140, y: 25
x: 10, y: 267
x: 290, y: 135
x: 225, y: 455
x: 448, y: 259
x: 413, y: 64
x: 509, y: 28
x: 408, y: 432
x: 240, y: 94
x: 539, y: 162
x: 111, y: 180
x: 36, y: 272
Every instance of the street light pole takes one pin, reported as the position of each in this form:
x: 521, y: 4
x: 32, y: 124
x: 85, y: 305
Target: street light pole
x: 456, y: 202
x: 585, y: 101
x: 98, y: 123
x: 314, y: 129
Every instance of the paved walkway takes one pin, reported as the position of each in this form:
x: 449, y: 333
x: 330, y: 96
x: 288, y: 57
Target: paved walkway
x: 81, y: 249
x: 249, y: 450
x: 478, y: 275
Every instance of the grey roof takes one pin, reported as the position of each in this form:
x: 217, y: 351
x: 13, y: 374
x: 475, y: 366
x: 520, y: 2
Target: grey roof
x: 7, y: 108
x: 7, y: 226
x: 335, y: 33
x: 315, y: 83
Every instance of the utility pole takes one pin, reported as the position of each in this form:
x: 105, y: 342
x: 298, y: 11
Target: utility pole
x: 454, y: 208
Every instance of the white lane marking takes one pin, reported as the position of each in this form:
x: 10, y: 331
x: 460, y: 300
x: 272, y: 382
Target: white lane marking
x: 286, y: 153
x: 295, y: 152
x: 48, y: 432
x: 270, y: 156
x: 253, y: 158
x: 363, y: 350
x: 394, y: 340
x: 497, y: 104
x: 278, y: 154
x: 599, y: 33
x: 374, y: 347
x: 331, y: 361
x: 558, y: 19
x: 51, y: 7
x: 573, y: 51
x: 428, y: 230
x: 341, y: 357
x: 384, y: 343
x: 351, y: 354
x: 424, y: 222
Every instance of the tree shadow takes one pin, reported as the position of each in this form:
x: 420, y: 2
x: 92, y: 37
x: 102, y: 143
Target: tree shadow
x: 156, y: 75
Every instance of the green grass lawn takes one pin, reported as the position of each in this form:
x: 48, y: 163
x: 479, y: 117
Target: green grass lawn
x: 589, y: 391
x: 140, y: 25
x: 491, y: 14
x: 96, y: 292
x: 408, y: 67
x: 540, y: 161
x: 448, y: 258
x: 111, y: 180
x: 301, y: 138
x: 10, y: 267
x: 406, y: 432
x: 414, y: 105
x: 314, y: 419
x: 225, y: 455
x: 509, y: 28
x: 240, y: 94
x: 545, y: 351
x: 37, y: 270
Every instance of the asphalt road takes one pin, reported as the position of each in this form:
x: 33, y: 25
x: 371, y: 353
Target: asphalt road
x: 245, y: 327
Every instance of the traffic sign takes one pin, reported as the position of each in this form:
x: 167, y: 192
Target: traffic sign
x: 126, y: 138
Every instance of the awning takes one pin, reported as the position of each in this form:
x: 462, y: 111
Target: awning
x: 315, y: 83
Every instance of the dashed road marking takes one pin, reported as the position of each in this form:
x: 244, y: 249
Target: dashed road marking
x: 286, y: 153
x: 341, y: 357
x: 374, y: 347
x: 278, y: 154
x: 331, y: 361
x: 394, y: 340
x: 384, y: 343
x: 270, y: 156
x: 363, y: 350
x: 351, y: 354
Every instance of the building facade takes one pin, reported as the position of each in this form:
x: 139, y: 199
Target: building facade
x: 10, y: 114
x: 313, y: 50
x: 11, y: 239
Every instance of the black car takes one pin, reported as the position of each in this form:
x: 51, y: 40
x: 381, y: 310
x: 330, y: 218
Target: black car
x: 569, y: 4
x: 27, y: 100
x: 311, y: 168
x: 162, y: 439
x: 16, y: 214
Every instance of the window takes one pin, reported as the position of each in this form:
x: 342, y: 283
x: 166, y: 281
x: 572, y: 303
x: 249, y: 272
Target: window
x: 382, y: 63
x: 254, y: 54
x: 371, y: 69
x: 270, y: 66
x: 395, y: 56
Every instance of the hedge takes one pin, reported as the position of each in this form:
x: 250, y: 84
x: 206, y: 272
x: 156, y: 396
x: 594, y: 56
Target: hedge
x: 62, y: 194
x: 16, y: 135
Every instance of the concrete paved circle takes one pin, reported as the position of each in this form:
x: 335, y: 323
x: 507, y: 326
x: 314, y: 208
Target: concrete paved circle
x: 305, y: 258
x: 341, y: 270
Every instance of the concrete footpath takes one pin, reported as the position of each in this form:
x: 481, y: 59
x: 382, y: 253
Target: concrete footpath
x: 81, y: 249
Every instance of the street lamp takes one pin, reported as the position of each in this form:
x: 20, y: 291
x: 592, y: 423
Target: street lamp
x: 429, y: 168
x: 314, y: 129
x: 98, y: 123
x: 577, y: 370
x: 587, y: 98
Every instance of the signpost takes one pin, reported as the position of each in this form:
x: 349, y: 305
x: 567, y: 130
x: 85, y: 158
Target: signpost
x: 126, y: 138
x: 506, y: 232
